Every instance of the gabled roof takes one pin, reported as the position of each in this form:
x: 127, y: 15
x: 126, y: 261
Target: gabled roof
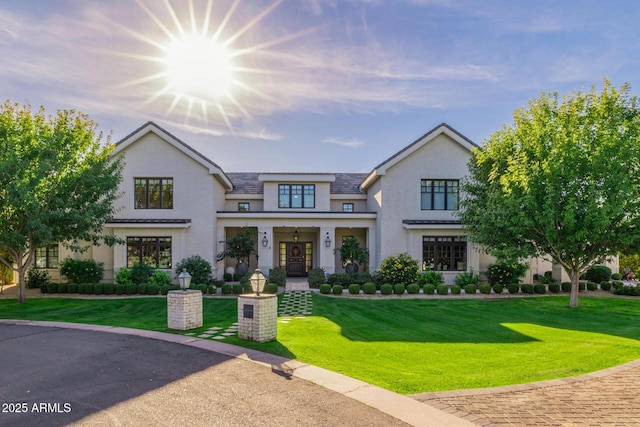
x: 442, y: 128
x: 250, y: 183
x: 151, y: 127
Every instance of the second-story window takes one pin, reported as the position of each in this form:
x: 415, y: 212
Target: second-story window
x: 154, y: 193
x: 296, y: 196
x: 243, y: 207
x: 347, y: 207
x: 439, y: 194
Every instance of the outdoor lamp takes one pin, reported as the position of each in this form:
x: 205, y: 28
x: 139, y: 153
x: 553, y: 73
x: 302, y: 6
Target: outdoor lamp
x: 265, y: 241
x: 296, y: 236
x: 258, y: 281
x: 327, y: 241
x: 184, y: 278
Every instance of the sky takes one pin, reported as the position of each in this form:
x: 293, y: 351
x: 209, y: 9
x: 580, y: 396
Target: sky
x: 309, y: 85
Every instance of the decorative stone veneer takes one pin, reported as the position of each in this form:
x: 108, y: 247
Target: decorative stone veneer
x: 257, y: 317
x: 184, y: 310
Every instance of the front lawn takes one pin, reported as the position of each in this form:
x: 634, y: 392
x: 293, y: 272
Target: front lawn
x: 409, y: 346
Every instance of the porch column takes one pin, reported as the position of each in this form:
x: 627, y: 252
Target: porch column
x: 265, y: 253
x: 326, y: 257
x: 371, y: 246
x: 219, y: 246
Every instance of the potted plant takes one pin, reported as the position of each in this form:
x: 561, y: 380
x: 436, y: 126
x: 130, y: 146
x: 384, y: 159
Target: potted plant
x: 240, y: 247
x: 351, y: 254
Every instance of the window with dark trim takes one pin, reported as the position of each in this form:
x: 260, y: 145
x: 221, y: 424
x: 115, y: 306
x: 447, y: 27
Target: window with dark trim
x: 243, y: 206
x: 153, y: 251
x: 347, y: 207
x: 47, y: 256
x: 296, y: 196
x: 444, y: 253
x: 153, y: 193
x: 439, y: 194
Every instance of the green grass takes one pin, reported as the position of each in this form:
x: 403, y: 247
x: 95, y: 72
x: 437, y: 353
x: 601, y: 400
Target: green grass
x: 409, y: 346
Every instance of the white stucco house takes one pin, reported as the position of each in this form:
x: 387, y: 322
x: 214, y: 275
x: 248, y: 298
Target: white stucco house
x: 175, y: 203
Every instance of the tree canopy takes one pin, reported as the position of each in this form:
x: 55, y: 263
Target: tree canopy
x: 562, y: 181
x: 58, y: 183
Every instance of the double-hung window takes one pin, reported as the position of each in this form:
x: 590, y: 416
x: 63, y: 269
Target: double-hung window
x: 153, y: 193
x: 439, y: 194
x: 47, y: 256
x: 296, y: 196
x: 444, y: 253
x: 153, y: 251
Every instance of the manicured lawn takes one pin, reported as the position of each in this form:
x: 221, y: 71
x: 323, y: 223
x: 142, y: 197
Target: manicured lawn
x: 410, y: 346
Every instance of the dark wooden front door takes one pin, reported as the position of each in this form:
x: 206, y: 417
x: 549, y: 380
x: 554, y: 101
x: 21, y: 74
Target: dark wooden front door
x: 296, y: 259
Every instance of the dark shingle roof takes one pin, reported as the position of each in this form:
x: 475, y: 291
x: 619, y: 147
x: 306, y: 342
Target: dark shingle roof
x: 347, y: 183
x: 248, y: 182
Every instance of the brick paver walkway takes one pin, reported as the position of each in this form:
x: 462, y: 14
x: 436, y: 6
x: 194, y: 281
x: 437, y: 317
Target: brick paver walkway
x: 605, y: 398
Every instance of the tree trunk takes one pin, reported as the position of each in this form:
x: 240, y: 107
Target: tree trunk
x: 22, y: 296
x: 573, y: 300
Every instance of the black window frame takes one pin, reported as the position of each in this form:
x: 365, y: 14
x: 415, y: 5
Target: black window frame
x: 162, y: 202
x: 428, y: 193
x: 348, y: 207
x: 244, y: 206
x: 48, y: 253
x: 287, y: 195
x: 441, y: 251
x: 143, y: 245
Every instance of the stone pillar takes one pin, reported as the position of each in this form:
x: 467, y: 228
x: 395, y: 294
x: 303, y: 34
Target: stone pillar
x: 257, y: 317
x: 184, y: 310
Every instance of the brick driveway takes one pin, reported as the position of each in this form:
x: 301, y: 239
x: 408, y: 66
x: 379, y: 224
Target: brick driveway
x: 606, y: 398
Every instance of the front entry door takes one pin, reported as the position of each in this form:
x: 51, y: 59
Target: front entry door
x: 296, y: 259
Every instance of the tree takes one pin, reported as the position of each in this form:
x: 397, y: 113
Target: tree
x: 562, y: 181
x: 58, y: 183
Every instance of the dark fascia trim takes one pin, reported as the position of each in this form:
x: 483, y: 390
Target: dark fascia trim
x: 150, y: 221
x: 309, y: 212
x: 431, y: 221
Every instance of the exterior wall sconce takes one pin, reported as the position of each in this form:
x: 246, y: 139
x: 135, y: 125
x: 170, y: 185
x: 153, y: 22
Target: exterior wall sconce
x: 265, y: 241
x: 327, y: 241
x: 296, y: 236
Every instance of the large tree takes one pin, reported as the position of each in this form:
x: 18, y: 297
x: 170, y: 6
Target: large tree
x: 58, y: 183
x: 562, y: 181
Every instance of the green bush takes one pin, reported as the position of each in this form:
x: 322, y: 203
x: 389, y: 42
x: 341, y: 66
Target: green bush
x: 123, y: 276
x: 470, y: 289
x: 429, y: 289
x: 82, y: 270
x: 484, y: 288
x: 227, y: 277
x: 164, y: 289
x: 598, y: 273
x: 513, y: 288
x: 526, y: 288
x: 152, y: 289
x: 89, y: 288
x: 109, y: 288
x: 398, y: 288
x: 271, y: 288
x: 617, y: 285
x: 36, y: 278
x: 386, y: 289
x: 236, y: 288
x: 592, y: 286
x: 540, y: 288
x: 354, y: 289
x: 226, y: 289
x: 236, y: 276
x: 72, y: 288
x: 278, y: 276
x: 142, y: 288
x: 316, y: 277
x: 337, y: 289
x: 498, y: 288
x: 325, y: 289
x: 369, y: 288
x: 565, y: 286
x: 141, y: 273
x: 131, y: 289
x: 197, y: 267
x: 616, y: 276
x: 414, y: 288
x: 342, y: 279
x: 582, y: 286
x: 430, y: 277
x: 202, y: 287
x: 554, y: 288
x: 628, y: 290
x: 160, y: 278
x: 98, y: 289
x: 442, y: 289
x: 399, y: 269
x: 505, y: 272
x: 121, y: 288
x: 605, y: 286
x: 44, y: 288
x: 81, y: 288
x: 467, y: 278
x: 456, y: 290
x: 62, y: 288
x: 52, y: 288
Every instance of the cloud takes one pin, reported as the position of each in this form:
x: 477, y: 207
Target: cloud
x: 351, y: 143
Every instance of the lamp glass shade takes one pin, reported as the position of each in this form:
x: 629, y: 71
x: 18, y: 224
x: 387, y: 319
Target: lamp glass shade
x: 265, y: 241
x: 258, y: 281
x: 184, y: 278
x: 327, y: 241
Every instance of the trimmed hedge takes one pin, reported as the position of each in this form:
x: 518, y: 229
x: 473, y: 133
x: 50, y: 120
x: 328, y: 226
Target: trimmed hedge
x: 164, y: 289
x: 442, y: 290
x: 592, y: 286
x: 485, y: 288
x: 98, y: 289
x: 605, y: 286
x: 109, y: 288
x: 414, y: 288
x: 429, y: 289
x: 226, y: 289
x: 498, y: 288
x: 398, y: 288
x: 72, y: 288
x: 354, y: 289
x: 317, y: 276
x: 513, y: 288
x: 62, y: 288
x: 142, y: 288
x: 386, y: 289
x: 325, y: 289
x: 456, y: 290
x: 526, y: 288
x: 554, y: 288
x: 337, y: 289
x: 271, y: 288
x: 153, y: 289
x: 369, y: 288
x: 131, y: 289
x: 539, y: 288
x: 470, y: 289
x: 565, y: 286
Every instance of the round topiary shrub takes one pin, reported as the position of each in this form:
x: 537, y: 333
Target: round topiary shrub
x: 81, y: 288
x: 413, y: 289
x: 616, y: 276
x: 72, y: 288
x: 226, y: 289
x: 152, y: 289
x: 565, y: 286
x: 354, y: 289
x: 605, y: 286
x: 120, y: 288
x: 337, y: 289
x: 109, y: 288
x: 456, y: 290
x: 485, y: 288
x: 52, y: 288
x: 44, y: 288
x: 526, y: 288
x: 164, y: 289
x: 554, y: 288
x: 202, y: 288
x: 386, y: 289
x: 62, y: 288
x: 442, y: 290
x: 429, y: 289
x: 470, y: 289
x: 582, y: 286
x: 271, y: 288
x: 498, y: 288
x: 539, y: 288
x: 98, y: 289
x: 398, y: 288
x: 598, y: 273
x: 592, y: 286
x: 131, y: 289
x: 325, y: 288
x: 369, y: 288
x: 89, y: 288
x: 236, y: 288
x: 142, y: 288
x: 513, y: 288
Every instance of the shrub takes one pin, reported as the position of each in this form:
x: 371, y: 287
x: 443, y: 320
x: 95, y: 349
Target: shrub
x: 467, y: 278
x: 341, y: 279
x: 592, y: 286
x: 202, y: 287
x: 271, y: 288
x: 325, y: 288
x: 131, y: 289
x: 505, y: 272
x: 617, y: 285
x: 414, y: 288
x: 540, y: 288
x: 226, y: 289
x: 227, y: 277
x: 109, y: 288
x: 616, y: 276
x: 628, y: 290
x: 278, y: 276
x: 605, y: 286
x: 197, y: 267
x: 152, y: 289
x: 565, y: 286
x: 484, y: 288
x: 526, y: 288
x: 354, y: 289
x: 140, y: 273
x: 386, y: 289
x: 582, y: 286
x: 470, y: 289
x: 442, y: 289
x: 513, y: 288
x: 554, y: 288
x: 456, y: 290
x: 337, y: 289
x: 236, y: 276
x: 498, y: 288
x: 430, y: 277
x: 123, y: 276
x: 36, y: 278
x: 429, y: 289
x: 120, y: 288
x: 317, y: 276
x: 81, y: 288
x: 398, y: 288
x: 236, y: 288
x: 142, y: 288
x: 72, y: 288
x: 598, y: 273
x: 164, y: 289
x: 399, y: 269
x: 160, y: 278
x: 82, y: 270
x: 62, y: 288
x: 89, y: 288
x: 369, y: 288
x: 44, y: 288
x: 52, y: 288
x: 98, y: 289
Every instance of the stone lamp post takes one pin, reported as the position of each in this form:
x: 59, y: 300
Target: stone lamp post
x: 257, y: 312
x: 184, y: 308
